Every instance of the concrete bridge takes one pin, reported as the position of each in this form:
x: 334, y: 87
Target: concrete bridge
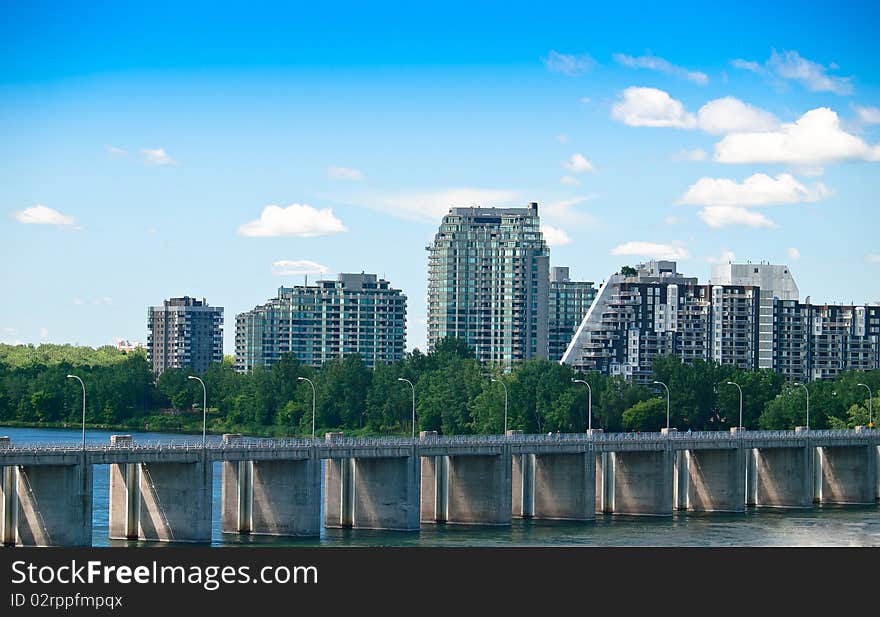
x: 274, y: 487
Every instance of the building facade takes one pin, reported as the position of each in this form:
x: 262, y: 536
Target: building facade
x: 354, y: 314
x: 569, y: 301
x: 488, y: 283
x: 184, y: 332
x: 658, y: 312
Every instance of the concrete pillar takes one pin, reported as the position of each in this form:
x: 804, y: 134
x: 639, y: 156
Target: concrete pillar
x: 175, y: 501
x: 643, y: 482
x: 564, y: 486
x: 434, y: 489
x: 681, y: 463
x: 124, y: 498
x: 480, y: 489
x: 784, y: 477
x: 386, y: 493
x: 716, y: 480
x: 54, y: 505
x: 847, y: 475
x: 605, y: 482
x: 523, y: 485
x: 285, y: 498
x: 236, y: 493
x: 338, y: 492
x: 751, y: 477
x: 8, y: 502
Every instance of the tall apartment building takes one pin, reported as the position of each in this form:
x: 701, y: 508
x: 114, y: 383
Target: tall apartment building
x: 821, y: 341
x: 659, y: 312
x: 569, y: 301
x: 488, y: 283
x: 184, y: 332
x: 354, y: 314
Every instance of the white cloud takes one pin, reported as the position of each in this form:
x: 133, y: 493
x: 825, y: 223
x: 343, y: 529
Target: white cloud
x: 157, y: 157
x: 115, y: 152
x: 42, y: 215
x: 570, y: 181
x: 691, y: 155
x: 297, y: 267
x: 105, y: 301
x: 717, y: 217
x: 872, y: 258
x: 431, y: 206
x: 79, y: 301
x: 812, y: 75
x: 345, y: 173
x: 672, y: 220
x: 8, y: 336
x: 578, y: 164
x: 44, y: 333
x: 664, y: 66
x: 815, y: 138
x: 790, y: 65
x: 299, y: 220
x: 584, y: 99
x: 726, y: 256
x: 793, y: 253
x: 652, y: 250
x: 562, y: 138
x: 868, y: 115
x: 555, y: 236
x: 572, y: 65
x: 564, y: 212
x: 730, y: 115
x: 651, y: 107
x: 756, y: 190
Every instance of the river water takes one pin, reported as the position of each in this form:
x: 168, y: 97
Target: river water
x: 818, y: 526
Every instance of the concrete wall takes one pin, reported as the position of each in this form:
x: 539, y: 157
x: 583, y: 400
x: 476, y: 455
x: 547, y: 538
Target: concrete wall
x: 565, y: 486
x: 523, y: 485
x: 54, y: 505
x: 848, y: 475
x: 716, y: 480
x: 175, y: 501
x: 643, y: 482
x: 434, y: 489
x: 784, y: 477
x: 8, y: 505
x: 338, y: 492
x: 605, y: 482
x: 480, y: 489
x: 286, y: 497
x: 236, y: 497
x: 386, y: 493
x: 123, y: 512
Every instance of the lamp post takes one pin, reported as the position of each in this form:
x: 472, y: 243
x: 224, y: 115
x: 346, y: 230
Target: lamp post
x: 589, y: 402
x: 84, y: 408
x: 204, y: 408
x: 808, y: 402
x: 733, y: 383
x: 667, y: 401
x: 870, y: 404
x: 413, y: 404
x: 314, y: 397
x: 503, y: 385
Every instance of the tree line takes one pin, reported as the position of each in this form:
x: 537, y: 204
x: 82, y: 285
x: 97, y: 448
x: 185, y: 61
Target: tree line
x: 454, y: 395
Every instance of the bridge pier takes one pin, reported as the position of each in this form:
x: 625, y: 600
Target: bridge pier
x: 434, y: 489
x: 124, y: 496
x: 564, y: 486
x: 54, y: 505
x: 711, y: 480
x: 236, y: 496
x: 523, y: 485
x: 8, y: 504
x: 386, y: 493
x: 642, y: 483
x: 480, y: 489
x: 783, y: 477
x: 605, y: 482
x: 847, y: 475
x: 285, y: 497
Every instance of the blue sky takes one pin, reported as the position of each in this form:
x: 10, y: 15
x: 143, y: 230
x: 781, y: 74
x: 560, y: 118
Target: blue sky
x: 142, y: 144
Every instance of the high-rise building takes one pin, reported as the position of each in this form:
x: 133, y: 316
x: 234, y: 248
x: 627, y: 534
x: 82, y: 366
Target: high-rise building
x: 184, y: 332
x: 354, y: 314
x: 657, y: 312
x: 488, y: 283
x: 568, y: 303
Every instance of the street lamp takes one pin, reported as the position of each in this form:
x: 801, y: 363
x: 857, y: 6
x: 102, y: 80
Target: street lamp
x: 808, y: 402
x: 314, y: 397
x: 413, y: 404
x: 204, y: 408
x: 589, y: 402
x: 733, y: 383
x: 503, y: 385
x: 870, y: 404
x: 84, y: 408
x: 667, y: 401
